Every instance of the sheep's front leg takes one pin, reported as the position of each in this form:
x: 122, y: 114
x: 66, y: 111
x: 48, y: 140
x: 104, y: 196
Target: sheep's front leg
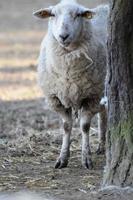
x: 102, y: 124
x: 62, y: 161
x: 86, y: 152
x: 66, y: 115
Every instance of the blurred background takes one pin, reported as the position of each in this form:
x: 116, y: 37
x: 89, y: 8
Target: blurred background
x: 20, y: 38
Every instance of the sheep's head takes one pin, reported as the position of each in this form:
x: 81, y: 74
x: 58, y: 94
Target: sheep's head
x: 66, y: 21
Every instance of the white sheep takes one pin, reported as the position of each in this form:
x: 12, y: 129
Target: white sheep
x: 72, y: 67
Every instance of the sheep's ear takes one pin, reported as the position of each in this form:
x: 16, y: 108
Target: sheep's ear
x: 88, y: 14
x: 43, y: 13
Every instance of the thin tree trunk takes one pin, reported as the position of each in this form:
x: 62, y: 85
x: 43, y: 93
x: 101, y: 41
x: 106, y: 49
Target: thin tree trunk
x: 119, y: 167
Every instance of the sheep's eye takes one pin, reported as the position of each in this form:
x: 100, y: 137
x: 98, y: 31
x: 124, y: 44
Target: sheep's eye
x: 78, y: 15
x: 52, y: 15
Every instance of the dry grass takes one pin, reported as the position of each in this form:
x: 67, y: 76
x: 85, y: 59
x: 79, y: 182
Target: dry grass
x: 18, y: 60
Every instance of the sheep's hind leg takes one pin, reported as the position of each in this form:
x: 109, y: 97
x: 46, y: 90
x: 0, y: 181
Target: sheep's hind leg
x: 66, y: 114
x: 86, y: 152
x: 102, y: 123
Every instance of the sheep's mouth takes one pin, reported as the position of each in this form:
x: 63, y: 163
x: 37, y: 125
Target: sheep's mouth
x: 65, y: 44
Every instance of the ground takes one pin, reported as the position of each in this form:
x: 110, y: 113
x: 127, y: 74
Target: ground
x: 30, y: 144
x: 30, y: 134
x: 30, y: 140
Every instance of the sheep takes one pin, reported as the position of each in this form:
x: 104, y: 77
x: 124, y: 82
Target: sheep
x: 72, y: 68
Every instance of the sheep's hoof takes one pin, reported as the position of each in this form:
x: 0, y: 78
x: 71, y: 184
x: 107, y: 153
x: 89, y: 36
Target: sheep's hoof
x: 61, y: 163
x: 100, y: 149
x: 87, y: 163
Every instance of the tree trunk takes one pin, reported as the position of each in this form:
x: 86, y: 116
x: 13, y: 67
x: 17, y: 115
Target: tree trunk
x: 119, y: 166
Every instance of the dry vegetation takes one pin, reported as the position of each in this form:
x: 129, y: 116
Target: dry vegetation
x: 18, y: 59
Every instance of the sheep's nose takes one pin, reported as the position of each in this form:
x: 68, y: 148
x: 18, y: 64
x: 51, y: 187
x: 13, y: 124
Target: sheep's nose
x: 64, y: 37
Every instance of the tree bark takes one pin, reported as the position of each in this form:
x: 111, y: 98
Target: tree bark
x: 119, y: 166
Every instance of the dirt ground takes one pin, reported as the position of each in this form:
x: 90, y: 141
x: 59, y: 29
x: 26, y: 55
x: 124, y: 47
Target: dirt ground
x: 30, y: 134
x: 30, y: 141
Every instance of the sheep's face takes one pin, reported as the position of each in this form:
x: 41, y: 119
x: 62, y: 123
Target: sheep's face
x: 66, y: 22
